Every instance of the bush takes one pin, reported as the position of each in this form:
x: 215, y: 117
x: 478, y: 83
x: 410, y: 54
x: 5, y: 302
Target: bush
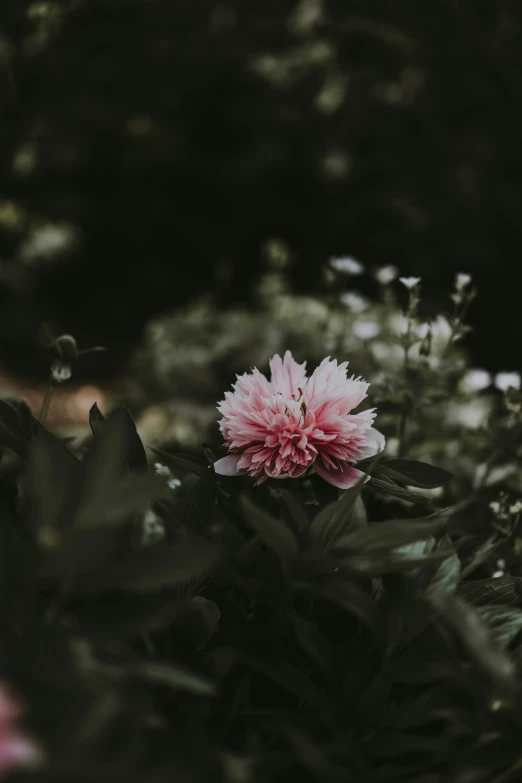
x: 162, y: 621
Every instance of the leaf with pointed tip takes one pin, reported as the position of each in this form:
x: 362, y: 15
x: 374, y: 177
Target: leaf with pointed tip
x: 412, y: 473
x: 135, y: 452
x: 96, y: 420
x: 51, y: 482
x: 325, y: 493
x: 296, y: 514
x: 386, y: 536
x: 17, y: 426
x: 172, y: 676
x: 447, y: 575
x: 132, y: 494
x: 389, y: 487
x: 163, y: 566
x: 275, y: 533
x: 480, y: 556
x: 346, y: 514
x: 183, y: 462
x: 503, y: 591
x: 195, y: 508
x: 505, y: 623
x: 474, y: 635
x: 346, y: 594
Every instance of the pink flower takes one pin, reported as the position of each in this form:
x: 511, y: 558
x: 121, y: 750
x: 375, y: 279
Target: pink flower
x: 16, y: 750
x: 279, y: 428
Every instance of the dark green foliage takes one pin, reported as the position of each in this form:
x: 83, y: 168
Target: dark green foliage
x: 273, y: 633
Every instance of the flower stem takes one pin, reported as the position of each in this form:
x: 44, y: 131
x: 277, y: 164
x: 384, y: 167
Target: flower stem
x: 47, y: 402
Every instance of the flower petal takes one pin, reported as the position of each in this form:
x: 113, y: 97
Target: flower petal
x: 343, y: 477
x: 227, y: 466
x: 374, y: 443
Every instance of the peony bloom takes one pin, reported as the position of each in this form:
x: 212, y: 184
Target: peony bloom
x: 16, y: 750
x: 279, y: 428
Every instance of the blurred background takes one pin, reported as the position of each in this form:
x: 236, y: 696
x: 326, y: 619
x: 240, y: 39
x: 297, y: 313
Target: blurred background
x: 171, y: 170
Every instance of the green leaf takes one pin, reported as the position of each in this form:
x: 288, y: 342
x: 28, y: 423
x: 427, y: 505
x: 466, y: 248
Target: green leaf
x: 504, y: 622
x: 296, y: 514
x: 412, y: 473
x: 286, y: 676
x: 132, y: 495
x: 274, y: 533
x: 447, y: 576
x: 50, y: 483
x: 166, y: 565
x: 346, y: 594
x: 136, y: 457
x: 480, y: 555
x: 390, y: 488
x: 96, y: 420
x: 17, y: 426
x: 379, y: 536
x: 503, y: 591
x: 183, y: 462
x: 469, y: 627
x: 325, y: 493
x: 194, y: 509
x: 346, y: 514
x: 175, y: 677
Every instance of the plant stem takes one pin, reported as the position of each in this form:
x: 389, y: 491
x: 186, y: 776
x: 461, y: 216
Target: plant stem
x: 47, y: 402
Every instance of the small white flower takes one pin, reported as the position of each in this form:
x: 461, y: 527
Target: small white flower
x: 410, y: 282
x: 507, y: 380
x: 60, y: 371
x: 516, y: 508
x: 386, y: 274
x: 162, y: 470
x: 347, y: 265
x: 366, y: 330
x: 174, y: 483
x: 462, y: 280
x: 474, y: 380
x: 392, y: 447
x: 389, y: 355
x: 354, y: 301
x: 495, y: 476
x: 153, y: 529
x: 472, y: 414
x: 495, y: 506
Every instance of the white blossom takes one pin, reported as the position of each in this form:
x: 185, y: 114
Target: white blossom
x: 48, y: 241
x: 462, y: 280
x: 410, y: 282
x: 386, y: 274
x: 472, y: 414
x: 507, y: 380
x: 516, y: 508
x: 162, y: 470
x: 366, y: 330
x: 354, y: 301
x: 60, y: 371
x: 474, y: 380
x: 174, y: 483
x: 347, y: 265
x: 153, y: 529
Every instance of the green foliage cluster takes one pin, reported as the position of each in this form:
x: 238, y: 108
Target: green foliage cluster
x: 205, y: 629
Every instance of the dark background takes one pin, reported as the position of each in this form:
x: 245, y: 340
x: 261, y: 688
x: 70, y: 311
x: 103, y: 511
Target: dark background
x: 176, y: 136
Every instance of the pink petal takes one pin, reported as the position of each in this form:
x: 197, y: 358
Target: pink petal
x: 343, y: 477
x: 227, y: 466
x: 374, y: 443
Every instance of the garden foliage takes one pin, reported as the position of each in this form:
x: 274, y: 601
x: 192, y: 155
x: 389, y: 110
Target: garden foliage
x: 161, y: 622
